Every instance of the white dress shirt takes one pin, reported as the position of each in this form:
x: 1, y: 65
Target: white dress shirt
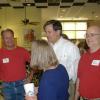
x: 68, y: 55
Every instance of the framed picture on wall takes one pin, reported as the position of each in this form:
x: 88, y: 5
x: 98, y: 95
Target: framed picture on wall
x: 29, y: 36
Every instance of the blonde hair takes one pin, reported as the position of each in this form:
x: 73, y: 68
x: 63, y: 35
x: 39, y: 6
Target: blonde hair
x: 42, y: 55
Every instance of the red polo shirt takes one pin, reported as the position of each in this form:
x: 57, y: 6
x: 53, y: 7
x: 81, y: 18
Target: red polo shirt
x: 12, y: 64
x: 89, y: 75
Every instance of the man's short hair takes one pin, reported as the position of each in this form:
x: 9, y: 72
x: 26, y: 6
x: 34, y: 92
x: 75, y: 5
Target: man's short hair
x: 7, y: 30
x: 55, y: 23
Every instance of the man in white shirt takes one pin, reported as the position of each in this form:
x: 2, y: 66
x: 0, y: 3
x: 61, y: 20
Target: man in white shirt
x: 66, y: 52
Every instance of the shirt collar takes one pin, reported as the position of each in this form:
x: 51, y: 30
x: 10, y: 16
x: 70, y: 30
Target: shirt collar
x: 57, y: 42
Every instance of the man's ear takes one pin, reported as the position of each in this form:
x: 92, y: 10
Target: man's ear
x: 58, y: 32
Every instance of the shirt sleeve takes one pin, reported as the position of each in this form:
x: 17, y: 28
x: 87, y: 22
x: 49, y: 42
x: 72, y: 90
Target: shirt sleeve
x: 74, y: 61
x: 27, y: 55
x: 46, y: 90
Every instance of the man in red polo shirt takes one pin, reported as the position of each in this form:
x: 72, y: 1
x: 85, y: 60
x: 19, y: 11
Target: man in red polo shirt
x: 12, y: 67
x: 88, y: 82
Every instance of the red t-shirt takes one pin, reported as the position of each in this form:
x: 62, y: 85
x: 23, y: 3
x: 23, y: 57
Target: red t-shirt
x: 12, y: 64
x: 89, y: 75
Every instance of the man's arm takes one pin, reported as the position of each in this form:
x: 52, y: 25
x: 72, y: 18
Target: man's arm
x: 74, y: 61
x: 77, y: 90
x: 32, y: 72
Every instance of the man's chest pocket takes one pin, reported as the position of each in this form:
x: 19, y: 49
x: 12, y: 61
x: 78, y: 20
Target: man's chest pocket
x: 63, y: 58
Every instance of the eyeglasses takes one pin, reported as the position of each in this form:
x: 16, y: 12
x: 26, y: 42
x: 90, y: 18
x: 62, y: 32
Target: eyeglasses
x: 90, y: 35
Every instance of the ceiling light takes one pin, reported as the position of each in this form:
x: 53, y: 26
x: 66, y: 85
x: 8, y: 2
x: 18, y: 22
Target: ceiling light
x: 63, y: 10
x: 28, y: 4
x: 61, y: 16
x: 96, y: 16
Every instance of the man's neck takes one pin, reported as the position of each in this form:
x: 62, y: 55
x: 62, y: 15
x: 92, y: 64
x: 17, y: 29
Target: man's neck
x: 10, y: 48
x: 56, y: 40
x: 94, y: 49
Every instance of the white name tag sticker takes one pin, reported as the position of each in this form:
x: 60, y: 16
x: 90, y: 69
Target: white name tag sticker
x: 6, y: 60
x: 96, y: 62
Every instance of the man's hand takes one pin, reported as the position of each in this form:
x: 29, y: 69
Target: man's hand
x: 31, y: 97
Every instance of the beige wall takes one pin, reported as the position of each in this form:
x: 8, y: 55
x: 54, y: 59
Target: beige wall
x: 12, y: 18
x: 94, y: 22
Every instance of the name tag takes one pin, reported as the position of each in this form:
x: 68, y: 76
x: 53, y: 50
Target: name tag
x: 96, y: 62
x: 6, y: 60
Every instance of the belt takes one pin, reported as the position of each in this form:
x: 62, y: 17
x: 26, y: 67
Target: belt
x: 16, y: 83
x: 83, y: 98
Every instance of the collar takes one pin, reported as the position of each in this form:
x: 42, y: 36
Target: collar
x: 59, y: 41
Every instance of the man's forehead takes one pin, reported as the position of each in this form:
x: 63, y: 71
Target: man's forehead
x: 94, y: 29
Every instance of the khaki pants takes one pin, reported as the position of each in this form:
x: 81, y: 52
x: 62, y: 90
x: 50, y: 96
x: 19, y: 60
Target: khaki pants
x: 81, y: 98
x: 71, y: 90
x: 1, y: 97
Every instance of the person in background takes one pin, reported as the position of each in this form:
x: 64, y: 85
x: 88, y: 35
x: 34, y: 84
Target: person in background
x: 88, y: 80
x: 67, y: 53
x: 12, y: 66
x: 54, y: 82
x: 82, y: 47
x: 64, y: 36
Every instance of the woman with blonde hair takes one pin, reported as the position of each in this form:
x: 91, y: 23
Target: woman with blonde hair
x: 54, y: 82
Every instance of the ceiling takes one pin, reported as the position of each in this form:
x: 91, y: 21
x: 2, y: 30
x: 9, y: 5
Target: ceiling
x: 60, y: 9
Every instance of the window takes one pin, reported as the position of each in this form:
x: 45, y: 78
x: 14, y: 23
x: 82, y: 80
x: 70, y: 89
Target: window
x: 74, y: 30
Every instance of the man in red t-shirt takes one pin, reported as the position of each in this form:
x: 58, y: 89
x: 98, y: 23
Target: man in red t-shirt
x: 12, y: 66
x: 88, y: 81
